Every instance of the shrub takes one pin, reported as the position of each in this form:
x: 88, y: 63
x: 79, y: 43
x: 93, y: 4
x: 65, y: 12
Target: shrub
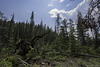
x: 5, y: 63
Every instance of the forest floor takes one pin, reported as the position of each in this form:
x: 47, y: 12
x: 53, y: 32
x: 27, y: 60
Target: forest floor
x: 73, y: 62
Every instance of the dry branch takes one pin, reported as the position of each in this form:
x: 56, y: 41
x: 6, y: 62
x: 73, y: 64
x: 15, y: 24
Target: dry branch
x: 24, y: 63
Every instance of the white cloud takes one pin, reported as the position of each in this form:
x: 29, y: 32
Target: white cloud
x: 53, y: 0
x: 68, y: 5
x: 61, y: 1
x: 50, y: 5
x: 55, y: 11
x: 72, y: 14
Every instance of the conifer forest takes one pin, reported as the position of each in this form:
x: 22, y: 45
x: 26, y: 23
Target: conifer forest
x: 69, y: 44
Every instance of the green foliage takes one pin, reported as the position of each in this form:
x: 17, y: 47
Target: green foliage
x: 33, y: 55
x: 13, y: 60
x: 5, y: 63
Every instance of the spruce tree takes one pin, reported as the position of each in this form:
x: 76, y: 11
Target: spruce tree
x: 31, y: 30
x: 81, y: 31
x: 57, y: 24
x: 72, y: 40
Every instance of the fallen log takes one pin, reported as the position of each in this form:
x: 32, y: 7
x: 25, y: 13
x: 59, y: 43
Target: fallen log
x: 78, y: 54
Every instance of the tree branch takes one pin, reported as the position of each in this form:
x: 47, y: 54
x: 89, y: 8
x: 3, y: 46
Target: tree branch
x: 37, y: 38
x: 25, y: 63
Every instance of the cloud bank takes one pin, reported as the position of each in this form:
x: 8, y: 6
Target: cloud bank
x: 72, y: 14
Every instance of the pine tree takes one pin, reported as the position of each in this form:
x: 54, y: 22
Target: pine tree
x: 16, y: 33
x: 80, y: 29
x: 11, y: 30
x: 1, y: 15
x: 31, y: 30
x: 64, y: 34
x: 72, y: 40
x: 57, y: 24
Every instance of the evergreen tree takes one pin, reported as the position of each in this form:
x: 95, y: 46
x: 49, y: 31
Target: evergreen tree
x: 11, y: 31
x: 80, y: 29
x: 1, y: 15
x: 72, y: 40
x: 64, y: 34
x: 31, y: 30
x: 57, y: 24
x: 16, y: 33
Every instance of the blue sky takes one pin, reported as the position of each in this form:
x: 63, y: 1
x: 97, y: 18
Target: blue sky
x: 43, y: 9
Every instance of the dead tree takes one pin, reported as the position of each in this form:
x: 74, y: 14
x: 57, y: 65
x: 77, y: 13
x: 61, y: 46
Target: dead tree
x: 24, y: 46
x: 36, y: 38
